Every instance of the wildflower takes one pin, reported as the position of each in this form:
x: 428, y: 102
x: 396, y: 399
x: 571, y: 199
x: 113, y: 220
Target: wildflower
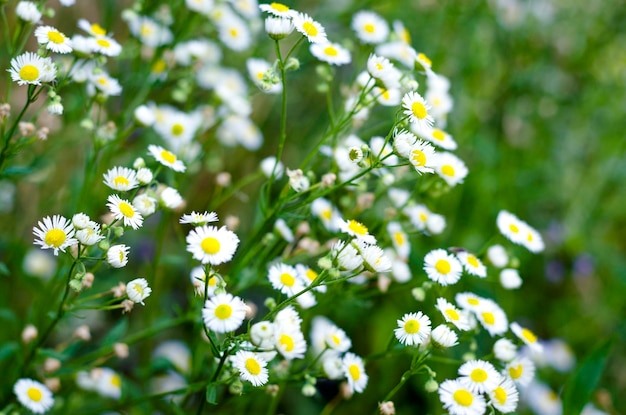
x: 327, y: 214
x: 234, y: 33
x: 491, y: 317
x: 387, y: 408
x: 29, y: 333
x: 171, y: 198
x: 312, y: 30
x: 336, y: 339
x: 416, y: 108
x: 472, y: 264
x: 520, y: 370
x: 332, y: 53
x: 94, y: 29
x: 458, y: 399
x: 399, y: 239
x: 504, y: 350
x: 262, y: 334
x: 108, y: 383
x: 510, y: 278
x: 504, y: 397
x: 387, y: 97
x: 298, y: 181
x: 450, y: 168
x: 443, y: 336
x: 104, y: 45
x: 223, y: 313
x: 283, y: 230
x: 199, y: 219
x: 251, y: 367
x: 285, y: 279
x: 346, y: 256
x: 289, y: 341
x: 374, y: 257
x: 148, y: 31
x: 497, y: 256
x: 357, y: 230
x: 370, y: 27
x: 166, y: 158
x: 211, y: 245
x: 469, y: 301
x: 28, y: 11
x: 144, y: 175
x: 117, y: 255
x: 511, y: 227
x: 30, y: 68
x: 138, y: 290
x: 102, y: 82
x: 269, y: 166
x: 453, y: 315
x: 55, y: 233
x: 413, y: 329
x: 276, y: 9
x: 53, y: 39
x: 90, y: 234
x: 145, y: 204
x: 354, y: 371
x: 123, y: 210
x: 199, y: 281
x: 33, y: 395
x: 442, y: 267
x: 121, y: 179
x: 422, y: 157
x: 479, y: 376
x: 436, y: 136
x: 263, y: 75
x: 278, y: 27
x: 382, y: 69
x: 526, y: 336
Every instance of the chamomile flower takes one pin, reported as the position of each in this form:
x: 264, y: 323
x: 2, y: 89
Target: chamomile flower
x: 453, y: 315
x: 450, y: 168
x: 34, y: 396
x: 444, y: 337
x: 93, y: 29
x: 251, y: 367
x: 479, y: 376
x: 289, y: 342
x: 308, y: 275
x: 510, y: 278
x: 148, y: 31
x: 504, y: 397
x: 102, y: 82
x: 469, y: 301
x: 347, y: 257
x: 171, y: 198
x: 223, y: 313
x: 387, y: 97
x: 30, y: 68
x: 276, y: 9
x: 234, y: 33
x: 399, y: 239
x: 199, y: 219
x: 504, y: 350
x: 354, y: 371
x: 117, y: 255
x: 327, y: 213
x: 472, y: 264
x: 520, y: 370
x: 382, y: 69
x: 413, y: 329
x: 166, y: 158
x: 357, y: 230
x: 374, y: 257
x: 211, y: 245
x: 332, y: 53
x: 511, y: 227
x: 370, y: 27
x: 312, y: 30
x: 458, y: 399
x: 145, y: 204
x: 56, y: 233
x: 90, y: 234
x: 423, y: 157
x: 278, y: 27
x: 442, y: 267
x: 108, y: 383
x: 492, y: 317
x: 138, y: 290
x: 105, y: 45
x: 403, y: 142
x: 336, y: 339
x: 284, y: 278
x: 262, y: 334
x: 438, y: 137
x: 526, y: 336
x: 28, y: 11
x: 121, y: 179
x: 123, y: 210
x: 416, y: 108
x: 418, y: 215
x: 53, y: 40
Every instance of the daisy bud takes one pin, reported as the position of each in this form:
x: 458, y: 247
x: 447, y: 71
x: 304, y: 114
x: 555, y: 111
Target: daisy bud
x: 51, y: 365
x: 419, y: 294
x: 308, y: 390
x: 270, y: 303
x: 329, y: 179
x: 121, y: 350
x: 29, y: 333
x: 83, y: 333
x: 292, y: 64
x: 510, y: 279
x: 26, y: 129
x: 127, y: 306
x: 5, y: 111
x: 54, y: 384
x: 345, y: 391
x: 223, y: 179
x: 497, y: 256
x: 251, y: 310
x: 144, y: 116
x: 386, y: 408
x: 236, y: 387
x: 119, y: 290
x: 431, y: 385
x: 231, y: 222
x: 139, y: 163
x: 325, y: 263
x: 88, y: 280
x: 272, y: 390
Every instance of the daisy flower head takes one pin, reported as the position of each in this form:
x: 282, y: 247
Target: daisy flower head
x: 520, y: 370
x: 276, y: 9
x: 263, y: 75
x: 234, y: 33
x: 504, y: 397
x: 198, y: 219
x: 336, y: 339
x: 145, y: 204
x: 403, y: 142
x: 327, y: 213
x: 30, y: 68
x: 101, y: 82
x: 289, y: 341
x: 105, y: 45
x: 511, y: 227
x: 149, y: 32
x: 442, y: 267
x: 450, y: 168
x: 444, y: 337
x: 33, y: 395
x: 387, y: 97
x: 284, y: 278
x: 504, y: 350
x: 199, y: 282
x: 138, y: 290
x: 479, y: 376
x: 108, y: 383
x: 413, y: 329
x: 453, y: 315
x: 469, y: 301
x: 166, y: 158
x: 89, y: 234
x: 370, y: 27
x: 288, y: 317
x: 438, y: 137
x: 458, y: 399
x: 374, y: 257
x: 312, y: 30
x: 510, y: 279
x: 399, y: 239
x: 354, y: 371
x: 56, y: 233
x: 492, y: 317
x: 121, y: 179
x: 211, y: 245
x: 307, y: 275
x: 346, y: 255
x: 278, y: 27
x: 94, y: 29
x: 262, y: 334
x: 123, y: 210
x: 357, y: 230
x: 223, y: 313
x: 527, y: 337
x: 416, y: 108
x: 423, y: 157
x: 28, y: 11
x: 380, y: 68
x: 472, y: 264
x: 53, y: 40
x: 117, y: 255
x: 251, y: 367
x: 332, y: 53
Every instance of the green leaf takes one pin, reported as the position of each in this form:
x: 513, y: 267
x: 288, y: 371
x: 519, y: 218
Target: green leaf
x: 4, y: 270
x: 211, y: 393
x: 579, y: 387
x: 8, y: 349
x: 116, y: 332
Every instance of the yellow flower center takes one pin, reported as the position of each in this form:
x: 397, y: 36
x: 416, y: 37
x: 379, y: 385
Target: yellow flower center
x: 452, y: 314
x: 104, y: 43
x: 116, y: 381
x: 56, y: 37
x: 418, y: 157
x: 443, y: 266
x: 357, y: 227
x: 379, y: 66
x: 310, y: 274
x: 513, y: 228
x: 488, y: 318
x: 287, y: 279
x: 473, y: 261
x: 287, y: 342
x: 159, y: 66
x: 55, y: 237
x: 399, y: 238
x: 331, y: 51
x: 253, y: 366
x: 121, y: 181
x: 34, y: 394
x: 145, y: 30
x: 279, y: 7
x: 438, y: 134
x: 355, y: 372
x: 478, y: 375
x: 233, y: 32
x: 138, y: 288
x: 529, y: 336
x: 102, y: 80
x: 210, y: 245
x: 335, y: 339
x: 369, y: 28
x: 419, y: 110
x: 463, y: 397
x: 412, y: 326
x: 423, y: 58
x: 473, y: 301
x: 127, y: 210
x: 529, y: 237
x: 516, y: 371
x: 223, y: 311
x: 168, y: 156
x: 212, y: 281
x: 423, y: 217
x: 29, y: 73
x: 447, y: 170
x: 309, y: 28
x: 500, y: 394
x: 385, y: 94
x: 98, y: 30
x: 122, y: 255
x: 177, y: 129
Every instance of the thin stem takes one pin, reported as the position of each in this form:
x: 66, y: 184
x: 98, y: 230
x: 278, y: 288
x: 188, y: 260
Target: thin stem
x: 31, y: 96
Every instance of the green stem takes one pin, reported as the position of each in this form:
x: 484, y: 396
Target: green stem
x: 31, y: 96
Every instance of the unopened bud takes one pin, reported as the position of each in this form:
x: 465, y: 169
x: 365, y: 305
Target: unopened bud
x: 29, y: 333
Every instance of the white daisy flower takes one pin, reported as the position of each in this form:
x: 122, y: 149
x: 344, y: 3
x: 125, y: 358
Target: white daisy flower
x: 93, y: 29
x: 387, y: 97
x: 234, y: 33
x: 504, y: 350
x: 527, y: 337
x: 34, y: 396
x: 262, y: 334
x: 108, y: 383
x: 30, y: 68
x: 105, y: 45
x: 263, y: 75
x: 533, y: 240
x: 288, y: 317
x: 438, y: 137
x: 403, y: 142
x: 199, y: 219
x: 347, y: 256
x: 251, y: 367
x: 479, y: 376
x: 504, y: 397
x: 472, y: 264
x: 374, y: 257
x: 166, y: 158
x: 332, y: 53
x: 418, y: 215
x: 278, y: 27
x: 200, y: 6
x: 382, y: 69
x: 121, y: 179
x: 28, y: 11
x: 399, y: 239
x: 416, y: 108
x: 458, y: 399
x: 117, y: 255
x: 520, y: 370
x: 90, y: 234
x: 138, y: 290
x: 443, y: 336
x: 53, y: 40
x: 144, y: 175
x: 450, y: 168
x: 357, y: 230
x: 223, y: 313
x: 336, y: 339
x: 469, y: 301
x: 148, y: 31
x: 276, y: 9
x: 510, y: 278
x: 453, y: 315
x: 442, y: 267
x: 56, y: 233
x: 327, y: 213
x: 145, y: 204
x: 312, y: 30
x: 211, y: 245
x: 354, y: 371
x: 171, y: 198
x: 413, y: 329
x: 102, y: 82
x: 398, y: 50
x: 492, y: 317
x: 123, y: 210
x: 289, y: 341
x: 511, y: 227
x: 284, y: 278
x: 422, y: 157
x: 198, y: 280
x: 370, y: 27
